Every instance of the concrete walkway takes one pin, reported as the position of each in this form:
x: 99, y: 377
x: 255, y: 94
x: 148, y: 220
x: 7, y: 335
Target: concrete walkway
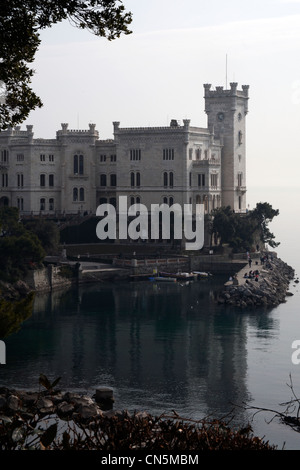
x: 240, y: 279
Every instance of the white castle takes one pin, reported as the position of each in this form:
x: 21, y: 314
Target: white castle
x: 77, y: 171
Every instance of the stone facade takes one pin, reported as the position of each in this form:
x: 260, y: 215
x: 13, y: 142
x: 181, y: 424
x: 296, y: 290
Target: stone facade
x: 77, y: 171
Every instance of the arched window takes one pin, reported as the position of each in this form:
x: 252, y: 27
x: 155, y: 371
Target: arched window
x: 138, y: 179
x: 165, y: 179
x: 42, y: 180
x: 75, y: 194
x: 113, y: 202
x: 81, y: 168
x: 103, y: 180
x: 171, y: 201
x: 42, y: 204
x: 132, y: 179
x: 75, y: 164
x: 171, y: 179
x: 51, y: 204
x: 81, y: 194
x: 113, y: 180
x: 165, y: 200
x: 103, y: 200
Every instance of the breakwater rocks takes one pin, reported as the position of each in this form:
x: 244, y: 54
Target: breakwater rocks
x: 268, y: 288
x: 64, y: 405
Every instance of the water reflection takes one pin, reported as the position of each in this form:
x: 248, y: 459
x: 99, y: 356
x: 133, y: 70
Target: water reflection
x: 161, y: 346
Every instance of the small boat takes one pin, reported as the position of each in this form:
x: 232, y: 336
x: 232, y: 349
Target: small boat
x: 178, y: 276
x: 162, y: 279
x: 202, y: 274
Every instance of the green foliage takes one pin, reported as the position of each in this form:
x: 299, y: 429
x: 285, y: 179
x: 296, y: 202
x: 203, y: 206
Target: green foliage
x: 20, y: 249
x: 241, y: 231
x: 20, y: 23
x: 262, y: 215
x: 13, y: 314
x: 47, y: 232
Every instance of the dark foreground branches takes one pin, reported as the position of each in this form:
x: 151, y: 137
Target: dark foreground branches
x: 290, y: 414
x: 125, y: 432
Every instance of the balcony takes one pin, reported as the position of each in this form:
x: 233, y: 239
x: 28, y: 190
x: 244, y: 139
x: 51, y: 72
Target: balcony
x: 241, y: 189
x: 206, y: 162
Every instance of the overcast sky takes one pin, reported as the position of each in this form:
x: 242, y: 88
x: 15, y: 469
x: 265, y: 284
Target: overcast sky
x: 157, y: 74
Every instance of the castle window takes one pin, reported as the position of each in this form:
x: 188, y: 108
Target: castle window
x: 240, y: 137
x: 20, y: 180
x: 51, y: 158
x: 103, y: 180
x: 42, y: 180
x: 78, y: 165
x: 42, y: 157
x: 51, y: 204
x: 132, y: 179
x: 201, y: 179
x: 113, y: 180
x: 240, y: 179
x: 20, y: 203
x: 51, y: 180
x: 135, y: 154
x: 113, y: 158
x: 42, y: 204
x: 168, y: 179
x: 81, y: 169
x: 4, y: 156
x: 168, y: 154
x: 138, y: 179
x: 214, y: 180
x: 103, y: 200
x: 75, y: 194
x: 81, y: 194
x: 113, y: 202
x: 20, y: 157
x: 4, y: 180
x: 190, y: 179
x: 102, y: 158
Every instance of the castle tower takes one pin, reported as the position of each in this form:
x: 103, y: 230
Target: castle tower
x: 226, y: 112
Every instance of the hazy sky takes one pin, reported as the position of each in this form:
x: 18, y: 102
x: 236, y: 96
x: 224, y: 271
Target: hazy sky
x: 157, y: 74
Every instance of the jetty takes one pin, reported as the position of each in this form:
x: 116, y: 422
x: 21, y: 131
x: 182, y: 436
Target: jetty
x: 267, y: 285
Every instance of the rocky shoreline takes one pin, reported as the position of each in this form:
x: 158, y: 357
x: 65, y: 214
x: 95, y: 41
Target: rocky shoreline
x: 268, y: 289
x: 67, y: 406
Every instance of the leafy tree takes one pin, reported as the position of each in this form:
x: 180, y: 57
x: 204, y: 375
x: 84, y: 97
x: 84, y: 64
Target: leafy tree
x: 20, y: 23
x: 19, y: 248
x: 47, y: 232
x: 241, y: 230
x: 263, y: 214
x: 223, y: 224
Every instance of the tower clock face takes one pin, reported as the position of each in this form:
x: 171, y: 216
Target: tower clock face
x: 221, y: 117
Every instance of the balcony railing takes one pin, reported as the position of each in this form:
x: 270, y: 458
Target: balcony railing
x: 210, y: 161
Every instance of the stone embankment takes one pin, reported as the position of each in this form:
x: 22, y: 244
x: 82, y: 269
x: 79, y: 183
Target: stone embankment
x: 268, y: 286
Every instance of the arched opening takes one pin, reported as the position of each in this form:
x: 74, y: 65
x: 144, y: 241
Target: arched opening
x: 4, y: 201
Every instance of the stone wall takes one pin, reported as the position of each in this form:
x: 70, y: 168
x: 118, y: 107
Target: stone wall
x: 45, y: 279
